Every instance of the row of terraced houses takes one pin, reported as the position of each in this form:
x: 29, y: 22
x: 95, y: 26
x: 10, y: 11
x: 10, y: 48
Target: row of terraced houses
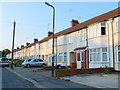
x: 94, y: 43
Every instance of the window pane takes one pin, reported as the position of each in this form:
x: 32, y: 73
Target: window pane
x: 90, y: 57
x: 94, y: 57
x: 103, y: 24
x: 103, y: 31
x: 104, y: 49
x: 65, y: 56
x: 78, y: 56
x: 104, y: 56
x: 119, y: 47
x: 94, y: 50
x: 91, y: 50
x: 98, y: 57
x: 98, y: 50
x: 118, y: 56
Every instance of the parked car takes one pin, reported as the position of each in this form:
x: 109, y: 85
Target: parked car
x: 34, y: 62
x: 4, y: 62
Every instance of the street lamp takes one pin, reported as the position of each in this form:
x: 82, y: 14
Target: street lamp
x: 13, y: 43
x: 52, y: 37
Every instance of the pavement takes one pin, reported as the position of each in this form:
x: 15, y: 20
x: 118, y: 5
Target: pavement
x: 10, y: 80
x: 43, y: 79
x: 98, y: 80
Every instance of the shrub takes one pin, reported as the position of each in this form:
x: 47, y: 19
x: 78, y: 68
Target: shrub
x: 107, y: 71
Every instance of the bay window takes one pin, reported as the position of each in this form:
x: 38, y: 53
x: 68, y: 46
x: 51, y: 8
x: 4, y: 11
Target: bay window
x: 98, y: 55
x: 117, y: 53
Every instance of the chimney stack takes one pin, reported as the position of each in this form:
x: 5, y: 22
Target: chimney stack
x: 14, y: 50
x: 17, y: 47
x: 35, y: 40
x: 50, y: 33
x: 22, y: 46
x: 27, y: 44
x: 74, y: 22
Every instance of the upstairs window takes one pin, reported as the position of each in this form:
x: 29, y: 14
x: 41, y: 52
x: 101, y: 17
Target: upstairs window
x: 103, y: 28
x: 70, y: 38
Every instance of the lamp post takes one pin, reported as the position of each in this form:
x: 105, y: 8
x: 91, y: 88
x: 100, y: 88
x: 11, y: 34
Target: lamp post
x: 13, y: 43
x: 52, y: 37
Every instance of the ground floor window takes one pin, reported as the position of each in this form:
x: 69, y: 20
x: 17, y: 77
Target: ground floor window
x: 98, y: 55
x: 117, y: 52
x: 50, y: 58
x: 65, y: 56
x: 62, y: 57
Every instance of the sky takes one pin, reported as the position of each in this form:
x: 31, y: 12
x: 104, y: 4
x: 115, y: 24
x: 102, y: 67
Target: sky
x: 34, y: 19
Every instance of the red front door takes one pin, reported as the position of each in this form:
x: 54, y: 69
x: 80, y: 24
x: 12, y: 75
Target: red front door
x: 84, y: 60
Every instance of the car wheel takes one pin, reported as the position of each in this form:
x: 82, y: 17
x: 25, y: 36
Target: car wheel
x: 28, y: 65
x: 43, y: 65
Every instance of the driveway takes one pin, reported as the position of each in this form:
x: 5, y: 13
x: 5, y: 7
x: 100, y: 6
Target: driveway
x: 99, y: 80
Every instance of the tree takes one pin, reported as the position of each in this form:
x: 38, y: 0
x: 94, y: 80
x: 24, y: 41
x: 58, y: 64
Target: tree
x: 5, y: 52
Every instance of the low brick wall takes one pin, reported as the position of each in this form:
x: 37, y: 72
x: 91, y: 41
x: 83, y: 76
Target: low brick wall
x: 69, y: 72
x: 50, y: 67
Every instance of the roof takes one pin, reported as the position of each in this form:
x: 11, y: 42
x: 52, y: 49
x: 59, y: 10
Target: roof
x: 103, y: 17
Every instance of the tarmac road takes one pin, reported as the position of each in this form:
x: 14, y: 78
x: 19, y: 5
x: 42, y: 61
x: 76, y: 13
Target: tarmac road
x: 10, y: 80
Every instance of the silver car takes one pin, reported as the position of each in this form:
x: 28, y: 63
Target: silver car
x: 33, y: 62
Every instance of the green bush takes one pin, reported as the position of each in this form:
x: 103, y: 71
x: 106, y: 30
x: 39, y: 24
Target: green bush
x: 107, y: 71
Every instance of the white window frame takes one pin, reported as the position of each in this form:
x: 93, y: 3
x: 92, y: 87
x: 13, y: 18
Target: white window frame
x: 65, y: 55
x: 117, y: 51
x: 70, y: 38
x: 60, y: 55
x: 94, y: 53
x: 105, y: 53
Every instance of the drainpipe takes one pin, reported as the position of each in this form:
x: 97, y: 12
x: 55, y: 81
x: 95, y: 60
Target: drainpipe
x: 113, y: 44
x: 87, y: 51
x: 108, y: 44
x: 56, y: 51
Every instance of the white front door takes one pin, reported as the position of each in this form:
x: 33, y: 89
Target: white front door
x: 79, y: 59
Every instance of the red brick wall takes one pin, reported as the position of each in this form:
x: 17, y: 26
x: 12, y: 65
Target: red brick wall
x: 62, y: 73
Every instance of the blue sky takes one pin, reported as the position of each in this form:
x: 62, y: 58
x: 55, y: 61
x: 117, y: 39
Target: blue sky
x: 34, y: 19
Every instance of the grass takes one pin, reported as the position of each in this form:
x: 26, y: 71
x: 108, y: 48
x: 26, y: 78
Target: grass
x: 65, y: 79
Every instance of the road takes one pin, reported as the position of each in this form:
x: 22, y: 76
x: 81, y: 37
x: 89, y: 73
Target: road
x: 10, y: 80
